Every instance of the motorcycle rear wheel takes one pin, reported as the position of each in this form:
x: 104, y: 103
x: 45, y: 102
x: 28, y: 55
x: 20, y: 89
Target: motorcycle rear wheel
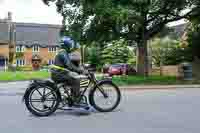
x: 45, y: 96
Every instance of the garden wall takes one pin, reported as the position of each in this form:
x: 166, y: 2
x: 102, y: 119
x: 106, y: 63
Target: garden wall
x: 170, y: 71
x: 166, y: 71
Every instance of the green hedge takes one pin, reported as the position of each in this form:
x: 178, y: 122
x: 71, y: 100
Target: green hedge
x: 23, y: 75
x: 24, y: 68
x: 140, y: 80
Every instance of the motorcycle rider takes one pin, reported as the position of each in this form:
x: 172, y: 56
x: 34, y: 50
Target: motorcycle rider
x: 64, y: 70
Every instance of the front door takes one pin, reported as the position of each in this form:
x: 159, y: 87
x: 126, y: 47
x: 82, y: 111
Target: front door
x: 36, y: 64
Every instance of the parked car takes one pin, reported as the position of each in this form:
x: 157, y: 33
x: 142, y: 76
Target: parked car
x: 120, y: 69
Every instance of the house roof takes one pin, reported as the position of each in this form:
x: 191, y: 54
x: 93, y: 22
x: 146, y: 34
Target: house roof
x: 4, y: 32
x: 41, y: 34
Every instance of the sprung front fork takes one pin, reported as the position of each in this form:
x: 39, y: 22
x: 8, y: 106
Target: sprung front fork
x: 101, y: 89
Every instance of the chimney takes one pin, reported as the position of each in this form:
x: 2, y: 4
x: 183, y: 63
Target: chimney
x: 9, y: 16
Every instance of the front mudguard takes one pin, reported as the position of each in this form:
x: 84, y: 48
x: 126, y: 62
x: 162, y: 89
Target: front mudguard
x: 42, y: 83
x: 103, y: 81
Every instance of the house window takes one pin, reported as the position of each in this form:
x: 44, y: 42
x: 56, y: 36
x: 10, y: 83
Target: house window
x: 20, y: 48
x: 36, y: 48
x: 20, y: 62
x: 52, y: 49
x: 50, y: 61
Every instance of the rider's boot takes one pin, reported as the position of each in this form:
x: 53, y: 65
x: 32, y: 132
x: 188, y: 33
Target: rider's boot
x: 81, y: 104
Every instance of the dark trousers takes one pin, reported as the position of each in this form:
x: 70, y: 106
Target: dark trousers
x: 67, y: 77
x: 75, y: 84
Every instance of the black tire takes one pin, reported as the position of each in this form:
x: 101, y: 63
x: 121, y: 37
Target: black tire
x: 99, y: 108
x: 37, y: 112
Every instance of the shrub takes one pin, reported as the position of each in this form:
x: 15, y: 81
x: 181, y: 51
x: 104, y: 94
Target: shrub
x: 24, y: 68
x: 166, y: 51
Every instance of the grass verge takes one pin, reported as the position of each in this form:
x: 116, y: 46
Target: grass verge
x: 151, y: 80
x: 16, y: 76
x: 119, y: 80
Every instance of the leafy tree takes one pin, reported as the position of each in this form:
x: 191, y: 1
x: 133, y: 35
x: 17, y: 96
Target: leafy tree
x: 134, y: 20
x: 160, y: 47
x: 131, y: 57
x: 94, y: 56
x: 116, y: 52
x: 107, y: 55
x: 166, y: 51
x: 176, y: 56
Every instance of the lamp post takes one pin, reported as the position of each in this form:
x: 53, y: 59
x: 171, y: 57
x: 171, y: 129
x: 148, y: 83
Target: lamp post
x: 161, y: 60
x: 82, y: 54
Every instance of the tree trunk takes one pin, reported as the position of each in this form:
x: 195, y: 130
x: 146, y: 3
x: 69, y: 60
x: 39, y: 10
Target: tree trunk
x: 82, y: 54
x: 142, y: 50
x: 142, y: 59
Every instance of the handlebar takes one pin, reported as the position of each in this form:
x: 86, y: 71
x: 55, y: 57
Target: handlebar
x: 90, y: 73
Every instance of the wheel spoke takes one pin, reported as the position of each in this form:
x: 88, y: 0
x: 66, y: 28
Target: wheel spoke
x: 35, y: 100
x: 39, y: 100
x: 39, y: 92
x: 44, y: 91
x: 48, y: 94
x: 51, y: 99
x: 46, y: 107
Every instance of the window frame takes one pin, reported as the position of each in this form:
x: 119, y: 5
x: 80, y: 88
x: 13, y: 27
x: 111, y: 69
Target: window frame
x: 50, y: 61
x: 20, y: 62
x: 34, y: 48
x: 20, y: 48
x: 52, y: 49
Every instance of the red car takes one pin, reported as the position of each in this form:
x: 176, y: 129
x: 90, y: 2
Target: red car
x: 120, y: 69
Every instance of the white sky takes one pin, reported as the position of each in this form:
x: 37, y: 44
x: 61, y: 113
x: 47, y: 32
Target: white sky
x: 177, y: 22
x: 31, y: 11
x: 35, y: 11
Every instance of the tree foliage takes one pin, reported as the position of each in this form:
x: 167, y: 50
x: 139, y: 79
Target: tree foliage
x: 94, y: 57
x: 166, y: 51
x: 126, y: 18
x: 116, y: 52
x: 133, y: 20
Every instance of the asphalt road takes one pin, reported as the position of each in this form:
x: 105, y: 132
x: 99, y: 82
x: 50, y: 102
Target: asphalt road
x: 146, y: 111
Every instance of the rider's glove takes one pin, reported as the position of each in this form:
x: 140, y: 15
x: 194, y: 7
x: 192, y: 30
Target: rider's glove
x: 85, y: 72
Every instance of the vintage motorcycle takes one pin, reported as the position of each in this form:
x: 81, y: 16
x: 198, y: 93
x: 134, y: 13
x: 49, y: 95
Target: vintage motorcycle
x: 44, y: 97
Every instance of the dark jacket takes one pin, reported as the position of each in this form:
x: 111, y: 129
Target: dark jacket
x: 62, y: 59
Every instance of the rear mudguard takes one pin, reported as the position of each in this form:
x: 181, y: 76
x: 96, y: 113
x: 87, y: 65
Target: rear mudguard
x: 36, y: 83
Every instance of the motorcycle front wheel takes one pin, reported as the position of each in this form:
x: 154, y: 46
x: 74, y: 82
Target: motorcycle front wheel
x: 105, y: 97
